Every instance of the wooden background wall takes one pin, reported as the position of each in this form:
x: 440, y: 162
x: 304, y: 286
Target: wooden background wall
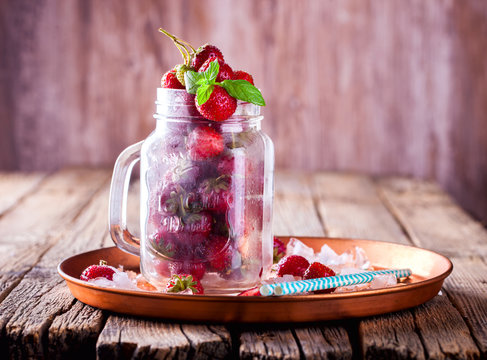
x: 382, y: 86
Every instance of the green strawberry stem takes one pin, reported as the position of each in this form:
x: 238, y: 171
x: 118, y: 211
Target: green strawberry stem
x: 181, y: 45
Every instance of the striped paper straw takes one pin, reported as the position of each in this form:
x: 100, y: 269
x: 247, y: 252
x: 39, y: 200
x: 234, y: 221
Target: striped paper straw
x: 296, y: 287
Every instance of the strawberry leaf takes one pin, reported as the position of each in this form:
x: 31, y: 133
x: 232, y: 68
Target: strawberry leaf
x: 193, y: 81
x: 203, y: 93
x: 211, y: 73
x: 243, y: 90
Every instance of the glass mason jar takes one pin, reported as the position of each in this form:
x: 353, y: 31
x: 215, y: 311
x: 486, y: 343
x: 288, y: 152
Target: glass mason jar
x: 206, y: 196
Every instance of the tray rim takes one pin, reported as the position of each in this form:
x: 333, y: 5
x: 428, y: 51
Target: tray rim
x: 259, y: 299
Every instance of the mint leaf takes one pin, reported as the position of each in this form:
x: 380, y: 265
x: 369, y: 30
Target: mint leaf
x: 203, y: 93
x: 212, y: 72
x: 243, y: 90
x: 192, y: 80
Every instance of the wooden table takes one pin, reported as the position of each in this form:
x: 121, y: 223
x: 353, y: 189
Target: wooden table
x: 47, y: 217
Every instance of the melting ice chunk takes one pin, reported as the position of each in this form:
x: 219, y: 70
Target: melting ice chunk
x: 296, y: 247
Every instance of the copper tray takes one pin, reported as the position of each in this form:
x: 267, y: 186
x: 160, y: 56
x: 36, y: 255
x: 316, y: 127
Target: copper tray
x: 429, y: 270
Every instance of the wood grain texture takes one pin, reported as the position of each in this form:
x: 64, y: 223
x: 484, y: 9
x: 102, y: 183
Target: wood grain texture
x: 432, y: 219
x: 349, y: 206
x: 32, y: 228
x: 268, y: 345
x: 376, y: 86
x: 15, y: 186
x: 30, y: 309
x: 467, y: 289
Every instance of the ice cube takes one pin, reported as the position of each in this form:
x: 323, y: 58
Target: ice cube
x: 383, y: 281
x: 121, y: 280
x: 361, y: 260
x: 329, y: 257
x: 296, y: 247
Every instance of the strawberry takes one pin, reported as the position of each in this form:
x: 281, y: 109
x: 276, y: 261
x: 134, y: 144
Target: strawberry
x: 318, y: 270
x: 180, y: 71
x: 170, y: 81
x: 251, y: 292
x: 233, y: 163
x: 218, y: 253
x: 225, y: 72
x: 96, y: 271
x: 294, y: 265
x: 204, y: 142
x: 203, y: 53
x: 196, y: 269
x: 185, y: 173
x: 220, y: 105
x: 182, y: 282
x: 215, y: 195
x: 279, y: 249
x: 242, y: 75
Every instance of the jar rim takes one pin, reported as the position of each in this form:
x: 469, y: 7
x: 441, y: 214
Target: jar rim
x: 179, y: 103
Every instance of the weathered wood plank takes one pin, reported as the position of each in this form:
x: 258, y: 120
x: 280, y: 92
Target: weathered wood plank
x: 14, y: 186
x: 29, y: 230
x: 56, y: 202
x: 350, y: 207
x: 467, y: 289
x: 130, y: 338
x: 390, y: 336
x: 324, y: 342
x: 432, y: 219
x: 268, y: 344
x: 73, y: 333
x: 443, y: 332
x: 294, y: 211
x: 30, y: 308
x: 127, y: 337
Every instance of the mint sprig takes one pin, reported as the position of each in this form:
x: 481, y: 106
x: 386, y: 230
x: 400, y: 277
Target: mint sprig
x: 202, y: 84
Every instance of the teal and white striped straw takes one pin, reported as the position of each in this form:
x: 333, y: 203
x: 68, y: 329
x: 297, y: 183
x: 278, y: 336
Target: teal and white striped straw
x: 296, y: 287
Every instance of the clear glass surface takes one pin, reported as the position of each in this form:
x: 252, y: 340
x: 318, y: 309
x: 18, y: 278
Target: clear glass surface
x: 207, y: 217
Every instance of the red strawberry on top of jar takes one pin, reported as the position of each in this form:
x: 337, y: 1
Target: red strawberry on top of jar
x: 242, y: 75
x: 170, y: 81
x: 203, y: 53
x: 219, y: 106
x: 225, y: 72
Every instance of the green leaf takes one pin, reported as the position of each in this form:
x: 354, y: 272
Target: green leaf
x: 243, y: 90
x: 212, y: 72
x: 203, y: 93
x: 192, y: 80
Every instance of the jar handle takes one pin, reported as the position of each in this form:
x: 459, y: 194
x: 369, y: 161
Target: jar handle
x: 117, y: 209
